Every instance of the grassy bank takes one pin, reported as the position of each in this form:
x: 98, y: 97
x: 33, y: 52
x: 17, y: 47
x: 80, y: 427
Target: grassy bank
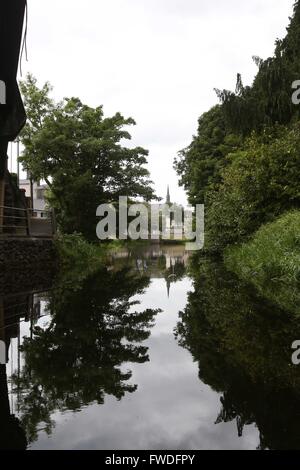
x: 79, y: 258
x: 271, y: 261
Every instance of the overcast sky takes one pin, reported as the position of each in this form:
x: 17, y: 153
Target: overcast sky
x: 154, y: 60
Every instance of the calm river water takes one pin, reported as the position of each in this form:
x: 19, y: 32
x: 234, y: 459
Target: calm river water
x: 156, y: 351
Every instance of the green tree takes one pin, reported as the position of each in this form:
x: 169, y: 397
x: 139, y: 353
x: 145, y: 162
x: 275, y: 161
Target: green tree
x: 268, y: 101
x: 76, y: 360
x: 81, y: 156
x: 243, y: 346
x: 244, y: 162
x: 199, y: 165
x: 261, y: 183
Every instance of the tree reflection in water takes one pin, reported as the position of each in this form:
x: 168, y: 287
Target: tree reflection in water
x: 12, y: 435
x: 241, y: 342
x: 243, y: 346
x: 76, y: 360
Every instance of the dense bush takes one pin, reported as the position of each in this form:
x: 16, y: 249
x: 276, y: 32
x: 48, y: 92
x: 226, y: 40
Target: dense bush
x: 78, y: 258
x: 271, y: 260
x: 261, y: 183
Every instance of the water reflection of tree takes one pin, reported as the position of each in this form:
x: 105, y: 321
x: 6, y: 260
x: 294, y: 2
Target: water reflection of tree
x: 76, y: 359
x: 176, y: 272
x: 12, y: 436
x: 243, y: 346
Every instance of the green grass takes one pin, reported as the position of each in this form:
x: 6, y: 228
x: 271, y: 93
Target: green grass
x: 271, y: 261
x: 79, y: 258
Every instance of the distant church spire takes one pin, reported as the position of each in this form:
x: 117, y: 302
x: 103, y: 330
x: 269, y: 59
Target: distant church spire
x: 168, y: 287
x: 168, y: 201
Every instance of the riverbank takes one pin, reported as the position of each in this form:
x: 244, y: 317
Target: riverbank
x: 271, y: 261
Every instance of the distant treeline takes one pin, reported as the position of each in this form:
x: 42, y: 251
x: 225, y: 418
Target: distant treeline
x: 244, y: 162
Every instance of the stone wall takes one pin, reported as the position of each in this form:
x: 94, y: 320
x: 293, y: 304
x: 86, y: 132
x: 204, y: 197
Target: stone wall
x: 26, y: 263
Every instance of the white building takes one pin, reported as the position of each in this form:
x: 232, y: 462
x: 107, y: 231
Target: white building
x: 38, y: 190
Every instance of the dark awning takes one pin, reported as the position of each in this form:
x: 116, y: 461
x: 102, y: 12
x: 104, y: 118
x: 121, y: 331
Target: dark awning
x: 12, y: 113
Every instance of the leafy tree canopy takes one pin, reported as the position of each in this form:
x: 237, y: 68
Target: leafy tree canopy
x: 244, y: 161
x: 200, y: 164
x: 81, y: 155
x: 268, y: 101
x: 261, y: 183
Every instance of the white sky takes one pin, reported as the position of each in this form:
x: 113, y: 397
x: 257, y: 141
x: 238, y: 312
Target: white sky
x: 154, y: 60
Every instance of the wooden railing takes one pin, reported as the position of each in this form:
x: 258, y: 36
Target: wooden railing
x: 21, y: 222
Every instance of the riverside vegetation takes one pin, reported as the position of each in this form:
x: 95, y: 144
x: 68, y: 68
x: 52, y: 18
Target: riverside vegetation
x: 101, y: 343
x: 244, y: 165
x: 82, y: 156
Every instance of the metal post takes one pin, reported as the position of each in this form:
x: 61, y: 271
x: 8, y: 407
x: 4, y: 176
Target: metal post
x: 11, y: 157
x: 31, y: 192
x: 28, y: 215
x: 53, y: 222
